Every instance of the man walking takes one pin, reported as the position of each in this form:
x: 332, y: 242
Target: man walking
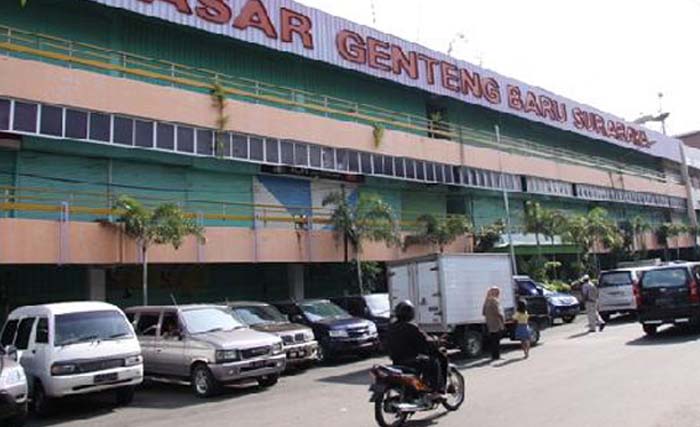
x: 590, y: 298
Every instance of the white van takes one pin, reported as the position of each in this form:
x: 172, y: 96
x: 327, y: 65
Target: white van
x: 75, y: 348
x: 617, y: 291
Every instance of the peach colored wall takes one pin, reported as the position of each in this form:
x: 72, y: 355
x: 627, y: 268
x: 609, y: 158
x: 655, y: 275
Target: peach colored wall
x: 26, y: 241
x: 52, y: 84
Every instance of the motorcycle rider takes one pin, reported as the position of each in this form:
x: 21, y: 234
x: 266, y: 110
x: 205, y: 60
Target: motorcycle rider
x: 409, y: 346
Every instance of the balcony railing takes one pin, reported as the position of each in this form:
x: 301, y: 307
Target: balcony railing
x: 67, y: 53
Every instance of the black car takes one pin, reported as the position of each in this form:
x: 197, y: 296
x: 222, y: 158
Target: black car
x: 337, y: 332
x: 374, y: 307
x: 669, y: 295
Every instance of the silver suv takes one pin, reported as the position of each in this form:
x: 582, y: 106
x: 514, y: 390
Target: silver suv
x: 205, y: 346
x: 13, y: 389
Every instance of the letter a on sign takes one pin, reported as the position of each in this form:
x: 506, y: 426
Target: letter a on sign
x: 255, y: 15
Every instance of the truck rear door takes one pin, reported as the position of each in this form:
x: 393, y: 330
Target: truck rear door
x: 429, y: 306
x: 400, y: 284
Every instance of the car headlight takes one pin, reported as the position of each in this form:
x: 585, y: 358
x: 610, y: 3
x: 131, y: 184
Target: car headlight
x: 64, y: 369
x: 309, y: 336
x: 277, y: 348
x: 338, y: 333
x: 12, y: 377
x: 372, y: 329
x: 133, y: 360
x: 223, y: 356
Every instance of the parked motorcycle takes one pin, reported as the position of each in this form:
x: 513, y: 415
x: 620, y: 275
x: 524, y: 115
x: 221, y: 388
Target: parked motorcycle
x: 398, y: 393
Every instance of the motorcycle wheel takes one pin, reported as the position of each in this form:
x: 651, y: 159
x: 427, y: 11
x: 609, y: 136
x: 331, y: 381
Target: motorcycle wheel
x: 456, y: 390
x: 383, y: 414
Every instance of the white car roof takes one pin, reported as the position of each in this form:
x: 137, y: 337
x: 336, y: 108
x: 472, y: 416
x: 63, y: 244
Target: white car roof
x: 62, y: 308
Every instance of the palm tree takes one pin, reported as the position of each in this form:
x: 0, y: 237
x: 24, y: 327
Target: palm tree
x: 438, y: 233
x: 487, y: 236
x: 369, y: 219
x: 639, y: 228
x: 675, y: 230
x: 166, y: 224
x: 536, y: 221
x: 585, y: 230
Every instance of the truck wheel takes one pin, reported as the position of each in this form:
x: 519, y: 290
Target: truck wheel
x: 534, y: 334
x: 472, y: 344
x: 203, y: 382
x: 650, y: 329
x: 605, y: 317
x: 40, y: 401
x: 268, y: 381
x: 125, y: 395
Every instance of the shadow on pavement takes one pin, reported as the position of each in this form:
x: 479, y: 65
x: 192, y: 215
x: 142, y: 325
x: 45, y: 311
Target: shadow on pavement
x: 580, y: 334
x: 360, y: 377
x: 428, y: 421
x: 507, y: 362
x: 149, y: 395
x: 672, y: 335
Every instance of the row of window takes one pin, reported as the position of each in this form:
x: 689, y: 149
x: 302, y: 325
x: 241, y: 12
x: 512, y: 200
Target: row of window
x: 63, y: 122
x: 60, y: 122
x: 592, y: 192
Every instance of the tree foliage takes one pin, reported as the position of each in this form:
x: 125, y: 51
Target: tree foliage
x: 486, y: 237
x: 438, y: 232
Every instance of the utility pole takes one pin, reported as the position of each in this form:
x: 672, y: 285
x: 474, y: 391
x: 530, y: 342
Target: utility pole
x: 506, y: 204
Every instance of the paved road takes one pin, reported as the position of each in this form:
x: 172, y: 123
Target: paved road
x: 613, y: 378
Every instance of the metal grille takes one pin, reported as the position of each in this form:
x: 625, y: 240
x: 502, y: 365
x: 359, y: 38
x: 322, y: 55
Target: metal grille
x: 300, y: 337
x: 359, y: 332
x: 255, y: 352
x: 288, y: 339
x: 100, y: 365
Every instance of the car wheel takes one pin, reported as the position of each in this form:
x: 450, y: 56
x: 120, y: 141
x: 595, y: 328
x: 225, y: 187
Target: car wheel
x: 20, y: 419
x: 268, y: 380
x: 568, y: 319
x: 650, y: 329
x: 125, y: 395
x: 472, y: 344
x: 323, y: 355
x: 40, y: 401
x: 203, y: 382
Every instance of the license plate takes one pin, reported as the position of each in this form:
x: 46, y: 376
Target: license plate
x: 663, y: 302
x: 258, y: 364
x: 105, y: 378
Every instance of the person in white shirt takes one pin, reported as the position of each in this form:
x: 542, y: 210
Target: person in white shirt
x: 590, y: 298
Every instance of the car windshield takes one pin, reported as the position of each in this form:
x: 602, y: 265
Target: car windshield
x: 526, y: 287
x: 212, y: 319
x: 666, y: 278
x: 322, y: 310
x: 259, y: 315
x: 378, y: 304
x: 87, y: 326
x: 618, y: 278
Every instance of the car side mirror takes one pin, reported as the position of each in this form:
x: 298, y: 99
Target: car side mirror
x: 296, y: 318
x: 11, y: 352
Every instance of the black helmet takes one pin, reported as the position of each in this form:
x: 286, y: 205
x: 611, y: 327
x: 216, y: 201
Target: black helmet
x: 404, y: 311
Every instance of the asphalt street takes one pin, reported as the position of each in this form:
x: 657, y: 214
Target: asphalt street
x: 614, y: 378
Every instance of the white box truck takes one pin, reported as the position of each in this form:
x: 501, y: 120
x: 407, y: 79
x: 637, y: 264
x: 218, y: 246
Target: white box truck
x: 448, y: 291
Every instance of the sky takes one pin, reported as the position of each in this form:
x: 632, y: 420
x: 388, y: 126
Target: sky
x: 615, y: 55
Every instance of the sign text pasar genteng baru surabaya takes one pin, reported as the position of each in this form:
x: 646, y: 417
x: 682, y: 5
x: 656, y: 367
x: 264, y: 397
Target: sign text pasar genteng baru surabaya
x: 287, y: 26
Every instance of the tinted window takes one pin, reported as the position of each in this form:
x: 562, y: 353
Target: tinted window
x: 170, y: 326
x: 410, y: 169
x: 301, y: 155
x: 272, y: 154
x: 240, y: 146
x: 353, y: 161
x: 399, y: 168
x: 448, y: 174
x: 165, y: 136
x: 23, y: 332
x: 287, y: 149
x: 620, y: 278
x: 420, y: 170
x: 144, y: 134
x: 388, y: 166
x: 205, y: 140
x: 366, y: 163
x: 378, y: 162
x: 123, y: 131
x: 316, y: 311
x: 341, y: 159
x: 456, y: 174
x: 42, y: 331
x: 225, y: 141
x: 99, y: 127
x: 185, y: 139
x: 76, y: 124
x: 315, y: 156
x: 439, y: 177
x: 257, y: 151
x: 147, y: 324
x: 429, y: 172
x: 259, y: 315
x: 87, y: 326
x: 51, y: 120
x: 4, y: 114
x: 8, y: 333
x: 665, y: 278
x: 328, y: 160
x: 25, y: 117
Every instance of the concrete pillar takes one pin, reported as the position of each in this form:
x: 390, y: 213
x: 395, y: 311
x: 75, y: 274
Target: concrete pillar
x: 295, y: 278
x: 97, y: 284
